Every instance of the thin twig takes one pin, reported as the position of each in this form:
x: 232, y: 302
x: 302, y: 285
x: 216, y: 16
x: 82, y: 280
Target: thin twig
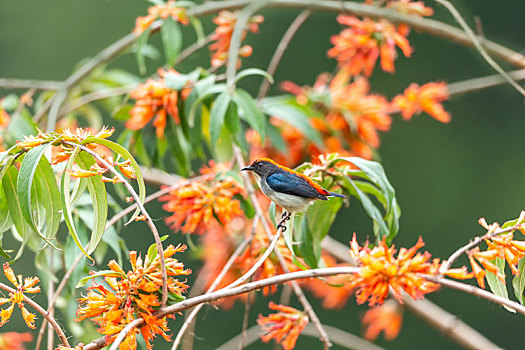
x: 149, y: 221
x: 42, y: 312
x: 225, y: 293
x: 6, y: 83
x: 477, y: 44
x: 297, y: 290
x: 473, y: 290
x: 245, y: 320
x: 448, y: 263
x: 196, y: 46
x: 339, y: 337
x: 281, y: 48
x: 475, y: 84
x: 43, y: 110
x: 50, y: 288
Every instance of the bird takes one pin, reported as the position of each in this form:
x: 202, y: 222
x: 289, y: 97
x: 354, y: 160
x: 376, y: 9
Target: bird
x: 288, y: 188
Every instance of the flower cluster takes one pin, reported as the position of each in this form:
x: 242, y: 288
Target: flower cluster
x: 14, y: 340
x: 284, y: 326
x: 358, y: 47
x: 225, y: 22
x: 195, y: 205
x: 134, y: 294
x: 162, y: 11
x: 387, y: 318
x: 27, y: 285
x: 155, y: 99
x: 502, y: 247
x: 427, y: 98
x: 380, y: 270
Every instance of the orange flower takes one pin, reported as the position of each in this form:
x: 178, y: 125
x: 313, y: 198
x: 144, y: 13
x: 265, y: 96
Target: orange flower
x: 155, y: 99
x: 427, y: 98
x: 225, y: 22
x: 196, y: 204
x: 134, y: 294
x: 334, y: 290
x: 380, y: 270
x: 26, y: 285
x: 387, y: 318
x: 162, y: 11
x: 14, y: 340
x: 358, y: 47
x: 284, y: 326
x: 410, y: 7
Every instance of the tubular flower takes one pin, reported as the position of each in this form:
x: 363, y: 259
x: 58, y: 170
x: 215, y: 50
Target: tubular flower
x: 155, y: 99
x: 381, y: 270
x: 410, y: 7
x: 387, y: 318
x: 197, y: 203
x: 284, y: 326
x: 162, y: 11
x: 134, y: 294
x: 14, y: 340
x: 426, y: 98
x: 334, y: 290
x: 358, y: 47
x: 271, y: 266
x: 27, y: 285
x: 225, y: 22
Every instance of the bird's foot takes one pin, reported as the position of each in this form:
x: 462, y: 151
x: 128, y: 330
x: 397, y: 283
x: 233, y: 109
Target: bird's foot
x: 281, y: 226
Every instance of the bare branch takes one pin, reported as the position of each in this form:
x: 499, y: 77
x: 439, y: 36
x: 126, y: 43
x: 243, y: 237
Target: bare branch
x: 6, y: 83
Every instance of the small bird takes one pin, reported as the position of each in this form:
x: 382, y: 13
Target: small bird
x: 289, y: 189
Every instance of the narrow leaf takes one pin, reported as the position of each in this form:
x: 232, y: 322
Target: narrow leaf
x: 217, y: 115
x: 496, y: 286
x: 171, y: 39
x: 249, y: 111
x: 519, y: 281
x: 253, y: 71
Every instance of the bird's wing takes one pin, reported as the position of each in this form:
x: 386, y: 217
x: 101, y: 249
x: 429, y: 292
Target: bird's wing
x: 290, y: 183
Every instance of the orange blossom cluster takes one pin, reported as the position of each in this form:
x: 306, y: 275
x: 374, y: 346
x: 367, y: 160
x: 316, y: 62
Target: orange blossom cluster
x: 358, y: 47
x: 284, y: 326
x: 162, y: 11
x: 387, y: 318
x: 426, y: 98
x: 225, y: 22
x: 14, y: 340
x: 134, y: 294
x: 381, y: 270
x: 155, y: 99
x: 195, y: 205
x: 503, y: 247
x: 26, y: 285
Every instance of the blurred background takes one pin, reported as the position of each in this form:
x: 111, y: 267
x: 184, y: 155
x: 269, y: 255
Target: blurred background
x: 446, y: 176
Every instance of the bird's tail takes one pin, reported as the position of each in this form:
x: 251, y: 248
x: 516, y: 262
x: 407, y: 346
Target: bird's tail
x: 335, y: 194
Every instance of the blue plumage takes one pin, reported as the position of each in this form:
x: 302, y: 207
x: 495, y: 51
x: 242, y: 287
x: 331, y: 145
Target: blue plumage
x: 289, y: 183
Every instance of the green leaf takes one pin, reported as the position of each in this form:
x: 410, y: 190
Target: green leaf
x: 287, y: 109
x: 33, y: 160
x: 122, y: 112
x: 9, y: 184
x: 99, y: 198
x: 217, y: 115
x: 250, y: 112
x: 127, y: 156
x: 496, y: 286
x: 153, y: 251
x: 253, y: 71
x: 176, y: 81
x: 519, y: 281
x: 215, y: 89
x: 171, y: 39
x: 5, y: 217
x: 141, y: 43
x: 272, y: 210
x: 276, y: 138
x: 103, y: 273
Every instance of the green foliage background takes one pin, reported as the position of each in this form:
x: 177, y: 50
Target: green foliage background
x: 445, y: 176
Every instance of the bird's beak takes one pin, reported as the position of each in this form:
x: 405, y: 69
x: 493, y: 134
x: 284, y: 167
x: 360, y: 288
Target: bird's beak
x: 247, y: 168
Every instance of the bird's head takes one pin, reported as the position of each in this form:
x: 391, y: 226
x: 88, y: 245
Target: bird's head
x: 262, y: 167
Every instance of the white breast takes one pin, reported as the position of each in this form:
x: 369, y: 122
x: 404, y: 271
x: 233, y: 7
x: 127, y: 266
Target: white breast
x: 288, y: 202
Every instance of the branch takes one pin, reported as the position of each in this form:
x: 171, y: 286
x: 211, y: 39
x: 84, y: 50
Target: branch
x: 42, y: 312
x: 149, y: 221
x: 477, y: 44
x: 473, y: 290
x: 339, y: 337
x: 224, y: 293
x: 279, y: 52
x: 94, y: 96
x: 6, y: 83
x: 475, y: 84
